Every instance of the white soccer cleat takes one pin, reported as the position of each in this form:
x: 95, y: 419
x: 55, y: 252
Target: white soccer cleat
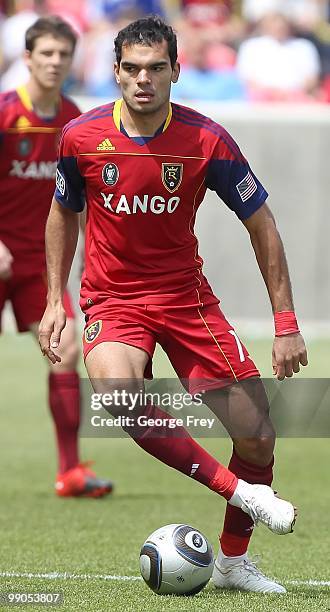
x: 243, y: 576
x: 262, y: 505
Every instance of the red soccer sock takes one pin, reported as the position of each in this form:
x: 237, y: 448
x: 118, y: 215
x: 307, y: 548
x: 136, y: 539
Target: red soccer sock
x: 238, y: 526
x: 177, y: 449
x: 64, y: 403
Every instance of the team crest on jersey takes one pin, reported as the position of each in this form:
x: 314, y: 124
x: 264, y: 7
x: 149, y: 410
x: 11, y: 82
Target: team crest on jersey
x: 93, y: 331
x: 172, y: 176
x: 24, y: 147
x: 110, y: 174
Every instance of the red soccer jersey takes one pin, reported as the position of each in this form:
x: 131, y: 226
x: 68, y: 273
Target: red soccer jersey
x: 142, y: 197
x: 28, y: 146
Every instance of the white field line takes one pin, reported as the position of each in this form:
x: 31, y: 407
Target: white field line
x: 309, y: 582
x: 67, y: 576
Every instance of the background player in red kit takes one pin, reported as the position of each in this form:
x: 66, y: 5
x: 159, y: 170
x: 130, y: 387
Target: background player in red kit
x: 31, y: 120
x: 144, y: 165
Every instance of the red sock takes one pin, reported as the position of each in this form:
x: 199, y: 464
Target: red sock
x: 64, y: 403
x: 238, y: 526
x: 177, y: 449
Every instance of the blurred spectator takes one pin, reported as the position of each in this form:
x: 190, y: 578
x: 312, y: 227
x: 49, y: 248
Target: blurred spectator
x: 206, y: 74
x: 12, y: 37
x: 73, y: 11
x: 302, y: 11
x: 311, y: 22
x: 277, y: 65
x: 210, y: 11
x: 94, y: 59
x: 215, y: 17
x: 114, y: 9
x: 93, y: 67
x: 95, y: 54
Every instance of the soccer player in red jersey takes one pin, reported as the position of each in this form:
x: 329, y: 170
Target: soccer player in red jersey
x: 144, y: 165
x: 31, y: 121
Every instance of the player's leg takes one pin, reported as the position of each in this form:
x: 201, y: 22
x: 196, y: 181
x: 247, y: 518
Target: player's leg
x: 114, y: 365
x: 74, y: 478
x: 64, y: 397
x: 109, y: 358
x: 207, y: 346
x: 244, y: 411
x: 28, y: 298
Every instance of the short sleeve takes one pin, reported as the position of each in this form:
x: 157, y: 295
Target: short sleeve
x: 230, y: 176
x: 70, y: 185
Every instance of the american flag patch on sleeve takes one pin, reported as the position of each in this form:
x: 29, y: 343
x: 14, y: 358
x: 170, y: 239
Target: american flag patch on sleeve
x: 246, y: 187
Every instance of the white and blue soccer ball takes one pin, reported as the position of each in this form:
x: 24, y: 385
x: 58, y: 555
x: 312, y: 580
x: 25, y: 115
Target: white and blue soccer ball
x: 176, y: 559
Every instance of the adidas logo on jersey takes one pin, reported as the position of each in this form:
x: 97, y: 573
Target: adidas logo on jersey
x: 105, y: 145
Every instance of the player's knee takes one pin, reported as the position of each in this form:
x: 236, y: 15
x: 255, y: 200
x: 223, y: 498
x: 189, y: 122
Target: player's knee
x: 258, y: 451
x: 69, y: 356
x: 121, y: 397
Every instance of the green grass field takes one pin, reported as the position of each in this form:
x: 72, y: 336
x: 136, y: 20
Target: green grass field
x: 88, y: 540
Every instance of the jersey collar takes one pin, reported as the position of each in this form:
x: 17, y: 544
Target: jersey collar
x: 24, y: 97
x: 117, y: 113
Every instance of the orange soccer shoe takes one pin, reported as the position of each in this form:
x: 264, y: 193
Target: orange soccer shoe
x: 80, y: 481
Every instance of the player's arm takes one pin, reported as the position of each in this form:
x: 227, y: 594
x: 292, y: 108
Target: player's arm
x: 6, y: 260
x: 230, y: 176
x: 289, y: 349
x: 82, y: 221
x: 61, y: 240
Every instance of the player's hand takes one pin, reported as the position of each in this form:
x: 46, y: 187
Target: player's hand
x: 50, y: 329
x: 6, y: 260
x: 288, y: 353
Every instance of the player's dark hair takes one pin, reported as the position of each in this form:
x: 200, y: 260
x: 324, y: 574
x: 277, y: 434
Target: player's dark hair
x: 147, y: 31
x: 53, y: 25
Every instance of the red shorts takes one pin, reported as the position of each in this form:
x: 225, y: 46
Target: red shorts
x: 202, y: 346
x: 27, y: 294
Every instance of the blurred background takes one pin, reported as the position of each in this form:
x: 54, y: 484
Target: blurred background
x: 261, y: 68
x: 251, y: 50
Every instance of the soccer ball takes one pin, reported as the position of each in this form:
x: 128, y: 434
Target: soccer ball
x: 176, y: 559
